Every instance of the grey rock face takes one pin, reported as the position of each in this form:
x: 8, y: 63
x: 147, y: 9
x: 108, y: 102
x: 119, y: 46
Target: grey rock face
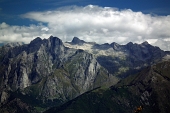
x: 14, y: 44
x: 149, y: 89
x: 122, y: 59
x: 77, y: 41
x: 48, y: 70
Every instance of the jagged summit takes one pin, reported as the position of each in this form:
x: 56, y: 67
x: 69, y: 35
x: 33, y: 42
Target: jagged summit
x: 129, y: 44
x: 50, y: 71
x: 36, y: 41
x: 145, y: 43
x: 51, y: 40
x: 76, y: 40
x: 13, y: 44
x: 55, y: 41
x: 115, y: 46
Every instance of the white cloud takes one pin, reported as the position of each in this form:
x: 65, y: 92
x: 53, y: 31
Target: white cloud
x: 21, y: 33
x: 94, y: 23
x: 165, y: 45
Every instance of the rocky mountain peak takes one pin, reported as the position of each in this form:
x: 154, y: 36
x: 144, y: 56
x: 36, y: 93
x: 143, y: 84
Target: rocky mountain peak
x: 145, y: 43
x: 129, y: 44
x: 36, y: 41
x: 115, y: 46
x: 14, y: 44
x: 55, y: 41
x: 76, y: 40
x: 45, y: 71
x: 104, y: 46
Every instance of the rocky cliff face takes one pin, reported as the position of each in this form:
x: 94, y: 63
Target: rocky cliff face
x: 148, y: 90
x: 49, y: 72
x: 121, y: 59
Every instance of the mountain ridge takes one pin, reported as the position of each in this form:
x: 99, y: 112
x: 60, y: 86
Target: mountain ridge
x: 136, y: 56
x: 148, y: 88
x: 49, y: 71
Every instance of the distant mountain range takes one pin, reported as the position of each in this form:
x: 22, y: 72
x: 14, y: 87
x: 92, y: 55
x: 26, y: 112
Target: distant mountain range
x: 49, y: 73
x: 120, y: 59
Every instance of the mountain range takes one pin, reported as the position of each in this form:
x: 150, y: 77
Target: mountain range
x: 49, y: 73
x: 149, y: 89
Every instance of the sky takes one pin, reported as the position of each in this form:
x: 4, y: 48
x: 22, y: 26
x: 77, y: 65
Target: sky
x: 101, y: 21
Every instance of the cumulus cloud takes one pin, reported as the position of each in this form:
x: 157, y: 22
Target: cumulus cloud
x: 94, y: 23
x: 21, y: 33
